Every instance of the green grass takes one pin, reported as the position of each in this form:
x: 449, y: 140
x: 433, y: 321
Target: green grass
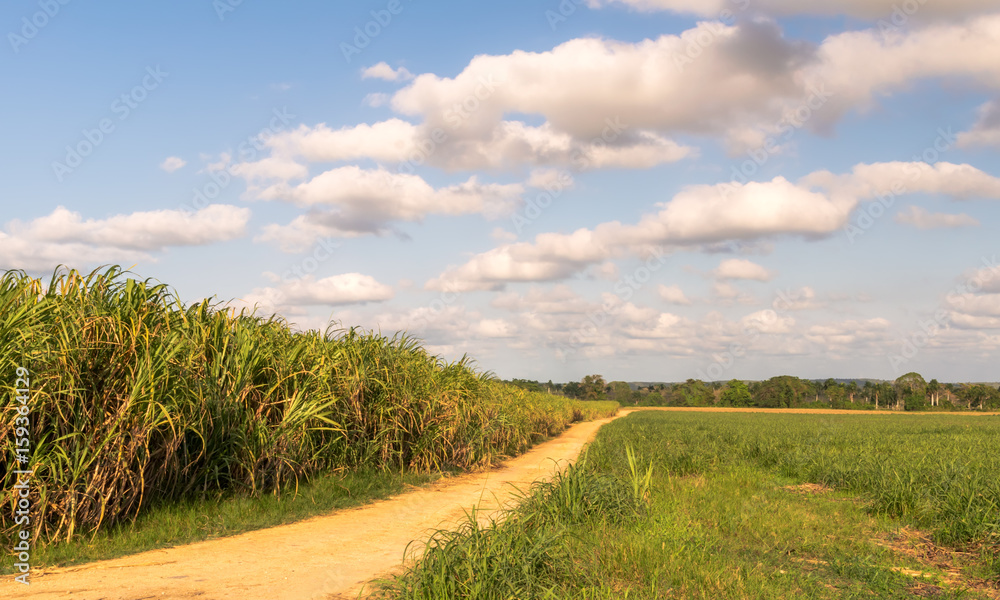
x: 726, y: 514
x: 194, y: 520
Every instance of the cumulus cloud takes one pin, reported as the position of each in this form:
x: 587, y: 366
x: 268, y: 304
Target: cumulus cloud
x: 384, y: 72
x: 818, y: 205
x: 609, y: 104
x: 641, y: 84
x: 740, y: 268
x: 338, y: 290
x: 66, y: 237
x: 673, y: 294
x: 842, y: 337
x: 986, y: 131
x: 351, y: 202
x: 864, y: 9
x: 173, y: 163
x: 987, y: 305
x: 376, y: 100
x: 881, y: 180
x: 507, y: 145
x: 747, y: 75
x: 550, y: 258
x: 922, y: 219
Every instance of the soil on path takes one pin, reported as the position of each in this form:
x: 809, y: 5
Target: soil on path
x: 319, y: 558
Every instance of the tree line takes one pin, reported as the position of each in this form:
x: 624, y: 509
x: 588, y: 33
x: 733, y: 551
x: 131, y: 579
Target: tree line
x: 911, y: 392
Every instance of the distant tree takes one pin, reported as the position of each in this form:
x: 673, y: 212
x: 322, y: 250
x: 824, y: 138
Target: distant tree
x: 653, y: 399
x: 852, y: 390
x: 783, y: 391
x: 573, y: 389
x: 620, y: 392
x: 911, y: 392
x: 934, y: 392
x: 693, y: 392
x: 837, y: 395
x: 736, y: 393
x: 979, y: 396
x: 527, y: 384
x: 593, y: 387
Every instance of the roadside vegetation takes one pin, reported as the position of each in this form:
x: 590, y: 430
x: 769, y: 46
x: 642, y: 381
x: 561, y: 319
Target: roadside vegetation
x: 142, y: 403
x: 736, y: 505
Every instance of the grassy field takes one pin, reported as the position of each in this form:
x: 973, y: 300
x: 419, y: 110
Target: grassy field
x: 732, y: 505
x: 139, y: 401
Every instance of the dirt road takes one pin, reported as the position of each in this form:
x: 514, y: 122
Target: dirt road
x: 319, y: 558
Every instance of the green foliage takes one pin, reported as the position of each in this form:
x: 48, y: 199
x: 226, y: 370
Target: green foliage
x: 653, y: 399
x: 781, y: 392
x: 736, y: 394
x: 692, y: 392
x: 573, y: 389
x: 620, y: 392
x: 138, y: 398
x: 593, y: 387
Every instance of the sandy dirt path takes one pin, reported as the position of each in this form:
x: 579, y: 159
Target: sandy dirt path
x: 320, y: 558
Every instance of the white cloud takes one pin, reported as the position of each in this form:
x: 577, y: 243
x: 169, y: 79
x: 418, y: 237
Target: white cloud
x: 740, y: 268
x: 986, y: 131
x: 611, y: 104
x: 383, y: 71
x: 550, y: 179
x: 881, y: 180
x: 494, y: 328
x: 551, y: 257
x: 64, y: 236
x: 272, y: 167
x: 747, y: 75
x: 557, y: 299
x: 338, y: 290
x: 865, y: 9
x: 376, y: 100
x: 173, y: 163
x: 350, y: 202
x: 922, y: 219
x: 976, y: 304
x: 508, y: 145
x: 841, y: 338
x: 673, y: 294
x: 768, y: 322
x: 975, y: 323
x: 502, y: 235
x: 394, y: 140
x: 640, y: 85
x: 820, y: 204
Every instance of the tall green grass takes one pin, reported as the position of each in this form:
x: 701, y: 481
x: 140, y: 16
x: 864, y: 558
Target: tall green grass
x: 523, y: 553
x: 940, y: 473
x: 138, y: 398
x: 707, y: 506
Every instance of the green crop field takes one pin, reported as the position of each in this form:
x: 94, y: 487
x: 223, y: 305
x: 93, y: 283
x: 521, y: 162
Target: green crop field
x: 744, y: 505
x: 138, y: 401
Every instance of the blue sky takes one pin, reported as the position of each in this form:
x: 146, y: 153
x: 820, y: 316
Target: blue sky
x: 305, y: 153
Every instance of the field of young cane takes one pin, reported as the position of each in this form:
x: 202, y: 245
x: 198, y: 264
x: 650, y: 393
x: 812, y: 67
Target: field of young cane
x: 732, y: 506
x: 138, y: 400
